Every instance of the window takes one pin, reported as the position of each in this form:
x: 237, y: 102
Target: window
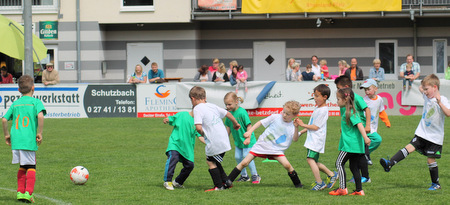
x: 38, y: 6
x: 137, y: 5
x: 439, y: 56
x: 386, y: 51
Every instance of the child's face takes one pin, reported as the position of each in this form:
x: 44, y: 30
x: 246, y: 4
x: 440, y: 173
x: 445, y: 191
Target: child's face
x: 408, y: 68
x: 340, y: 100
x: 341, y: 67
x: 287, y: 115
x: 231, y: 104
x: 430, y: 91
x: 340, y: 86
x: 371, y: 91
x: 319, y: 98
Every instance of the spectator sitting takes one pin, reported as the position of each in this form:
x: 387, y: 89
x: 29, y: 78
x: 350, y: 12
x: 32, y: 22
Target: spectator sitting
x: 295, y: 74
x: 232, y: 64
x: 203, y: 74
x: 324, y: 68
x: 343, y: 66
x: 308, y: 75
x: 220, y: 75
x: 377, y: 72
x: 233, y: 76
x: 50, y: 76
x: 289, y: 69
x: 6, y: 77
x: 138, y: 76
x: 212, y: 69
x: 354, y: 73
x: 155, y: 75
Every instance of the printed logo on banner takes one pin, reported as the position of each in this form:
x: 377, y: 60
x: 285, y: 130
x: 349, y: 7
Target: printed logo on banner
x: 162, y: 95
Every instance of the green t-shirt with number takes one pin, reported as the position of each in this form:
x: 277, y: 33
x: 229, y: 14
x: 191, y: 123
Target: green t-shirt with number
x: 243, y: 119
x: 183, y: 135
x: 351, y: 139
x: 23, y: 113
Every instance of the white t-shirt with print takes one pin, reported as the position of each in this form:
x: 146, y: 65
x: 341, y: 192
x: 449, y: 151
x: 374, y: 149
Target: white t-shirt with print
x: 276, y: 138
x: 431, y: 126
x: 376, y: 106
x: 315, y: 139
x: 216, y: 136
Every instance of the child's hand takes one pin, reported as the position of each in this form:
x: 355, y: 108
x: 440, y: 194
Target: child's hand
x: 296, y: 122
x: 247, y: 135
x: 438, y: 97
x: 367, y: 128
x: 166, y: 120
x: 247, y: 141
x: 39, y: 139
x: 367, y: 141
x: 237, y: 126
x: 8, y: 139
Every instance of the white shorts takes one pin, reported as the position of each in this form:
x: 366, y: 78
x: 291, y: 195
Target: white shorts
x: 24, y: 157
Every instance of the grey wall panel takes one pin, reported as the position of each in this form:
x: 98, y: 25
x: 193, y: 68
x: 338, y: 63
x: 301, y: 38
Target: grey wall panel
x: 84, y: 26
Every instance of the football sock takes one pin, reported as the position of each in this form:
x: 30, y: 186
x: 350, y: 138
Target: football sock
x: 434, y: 172
x: 294, y: 177
x: 31, y: 180
x: 21, y: 180
x: 234, y: 174
x: 215, y: 175
x: 399, y: 156
x: 223, y: 175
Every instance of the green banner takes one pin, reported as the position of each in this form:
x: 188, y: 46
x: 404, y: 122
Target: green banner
x: 48, y: 29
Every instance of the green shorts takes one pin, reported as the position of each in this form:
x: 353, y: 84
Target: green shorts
x: 312, y: 154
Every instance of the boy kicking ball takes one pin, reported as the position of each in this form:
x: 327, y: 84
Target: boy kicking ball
x: 429, y: 135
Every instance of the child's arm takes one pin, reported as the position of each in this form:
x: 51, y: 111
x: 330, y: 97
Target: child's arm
x: 421, y: 89
x: 309, y: 127
x: 6, y: 131
x: 363, y: 133
x: 249, y: 132
x: 296, y: 124
x: 367, y: 128
x: 443, y: 107
x: 202, y: 139
x: 385, y: 119
x: 40, y: 127
x: 199, y: 129
x: 166, y: 120
x: 236, y: 125
x: 247, y: 139
x: 228, y: 130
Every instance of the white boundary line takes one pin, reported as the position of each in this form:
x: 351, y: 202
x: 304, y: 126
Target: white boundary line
x: 39, y: 196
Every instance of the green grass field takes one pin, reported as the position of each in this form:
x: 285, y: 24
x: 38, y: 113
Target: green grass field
x: 125, y: 158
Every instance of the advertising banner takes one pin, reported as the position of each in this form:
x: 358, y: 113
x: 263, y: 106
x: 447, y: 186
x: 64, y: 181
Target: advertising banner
x: 110, y: 100
x: 414, y: 97
x: 48, y: 30
x: 296, y: 6
x: 60, y: 102
x: 217, y: 4
x: 158, y: 100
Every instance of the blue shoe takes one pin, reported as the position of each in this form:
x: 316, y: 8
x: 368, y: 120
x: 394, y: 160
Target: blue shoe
x: 385, y: 163
x: 317, y: 187
x: 365, y: 180
x: 332, y: 180
x: 434, y: 187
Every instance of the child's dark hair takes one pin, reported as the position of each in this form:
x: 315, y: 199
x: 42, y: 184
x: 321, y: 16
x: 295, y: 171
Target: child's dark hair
x: 197, y: 92
x: 343, y: 81
x: 26, y: 82
x: 203, y: 70
x: 323, y: 89
x: 349, y: 97
x: 233, y: 96
x: 241, y: 67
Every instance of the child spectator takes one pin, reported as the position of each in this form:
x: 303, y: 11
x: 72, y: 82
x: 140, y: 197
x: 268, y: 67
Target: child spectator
x: 232, y: 64
x: 27, y: 114
x: 295, y: 74
x: 280, y: 131
x: 208, y: 122
x: 429, y: 135
x: 324, y: 69
x: 212, y: 69
x: 343, y: 66
x: 409, y: 76
x: 376, y: 105
x: 233, y: 76
x: 308, y: 75
x: 289, y: 69
x: 180, y: 148
x: 220, y: 75
x: 231, y: 101
x: 241, y: 77
x: 351, y: 143
x: 316, y: 136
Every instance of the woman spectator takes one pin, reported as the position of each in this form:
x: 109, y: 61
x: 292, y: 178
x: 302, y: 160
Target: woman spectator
x: 232, y: 64
x: 220, y: 75
x: 138, y: 76
x: 203, y: 74
x: 343, y: 66
x: 289, y: 69
x: 233, y: 76
x: 295, y: 75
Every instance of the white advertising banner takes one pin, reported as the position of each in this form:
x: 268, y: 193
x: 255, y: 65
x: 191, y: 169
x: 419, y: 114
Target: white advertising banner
x: 414, y: 97
x: 157, y: 100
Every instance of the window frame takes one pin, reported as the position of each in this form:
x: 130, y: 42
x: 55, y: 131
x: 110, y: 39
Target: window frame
x: 124, y: 8
x: 390, y: 76
x: 435, y: 41
x: 36, y: 9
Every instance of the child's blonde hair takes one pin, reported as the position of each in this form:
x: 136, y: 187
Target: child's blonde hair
x: 295, y: 65
x: 222, y: 68
x: 409, y: 65
x: 26, y: 82
x: 216, y: 60
x: 292, y: 106
x: 349, y: 97
x: 343, y: 62
x: 233, y: 96
x: 431, y: 80
x: 197, y: 92
x: 323, y: 62
x: 234, y: 63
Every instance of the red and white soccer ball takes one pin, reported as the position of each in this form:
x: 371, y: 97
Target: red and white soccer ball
x: 79, y: 175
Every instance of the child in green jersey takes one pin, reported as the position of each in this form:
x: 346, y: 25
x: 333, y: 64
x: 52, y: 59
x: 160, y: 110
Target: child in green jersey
x: 27, y: 114
x: 180, y: 148
x: 231, y: 101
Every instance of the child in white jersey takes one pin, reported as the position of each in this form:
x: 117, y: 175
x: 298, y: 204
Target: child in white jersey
x: 208, y: 123
x: 429, y: 135
x: 316, y: 136
x: 376, y: 106
x: 280, y: 131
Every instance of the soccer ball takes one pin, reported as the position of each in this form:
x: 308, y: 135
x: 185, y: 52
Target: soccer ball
x: 79, y: 175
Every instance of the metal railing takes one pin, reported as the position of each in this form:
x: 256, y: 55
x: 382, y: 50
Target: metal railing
x: 39, y: 6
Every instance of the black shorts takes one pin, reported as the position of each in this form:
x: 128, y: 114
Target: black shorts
x: 216, y: 158
x: 426, y: 147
